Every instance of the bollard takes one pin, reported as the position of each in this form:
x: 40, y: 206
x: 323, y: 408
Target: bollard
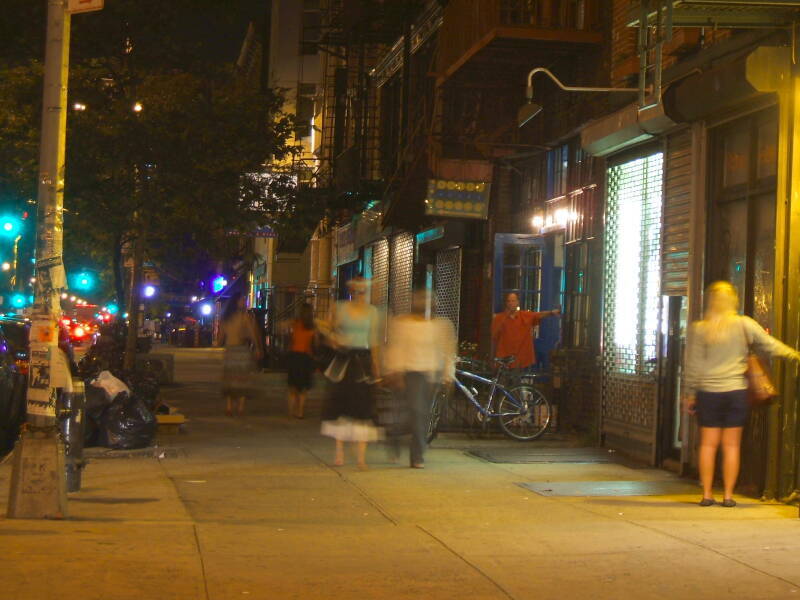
x: 72, y: 432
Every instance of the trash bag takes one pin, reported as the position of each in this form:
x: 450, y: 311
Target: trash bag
x: 128, y: 424
x: 110, y: 384
x: 97, y: 402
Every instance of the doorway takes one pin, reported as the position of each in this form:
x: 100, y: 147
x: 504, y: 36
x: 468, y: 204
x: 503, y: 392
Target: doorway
x: 741, y: 243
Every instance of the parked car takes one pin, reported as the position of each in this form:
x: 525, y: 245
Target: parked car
x: 14, y: 364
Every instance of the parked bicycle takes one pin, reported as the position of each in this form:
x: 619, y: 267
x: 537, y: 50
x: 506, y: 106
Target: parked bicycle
x: 522, y: 410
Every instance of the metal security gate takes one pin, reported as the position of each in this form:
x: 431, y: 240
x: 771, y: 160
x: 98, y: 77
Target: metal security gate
x: 447, y: 284
x: 631, y: 304
x: 401, y: 271
x: 379, y: 291
x: 677, y: 214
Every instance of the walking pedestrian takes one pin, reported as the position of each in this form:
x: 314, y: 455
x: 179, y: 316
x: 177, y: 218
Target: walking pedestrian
x: 420, y: 354
x: 348, y: 414
x: 238, y: 334
x: 512, y: 333
x: 715, y: 382
x: 300, y: 360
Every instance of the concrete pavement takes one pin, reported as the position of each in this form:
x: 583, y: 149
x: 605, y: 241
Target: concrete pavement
x: 251, y: 508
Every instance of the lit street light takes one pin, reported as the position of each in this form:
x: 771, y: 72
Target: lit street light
x: 6, y: 266
x: 137, y: 107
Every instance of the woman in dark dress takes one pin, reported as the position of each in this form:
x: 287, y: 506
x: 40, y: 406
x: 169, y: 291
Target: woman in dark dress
x: 300, y: 360
x: 348, y: 415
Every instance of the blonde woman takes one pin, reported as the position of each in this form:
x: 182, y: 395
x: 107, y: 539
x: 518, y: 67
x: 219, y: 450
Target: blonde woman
x: 716, y: 385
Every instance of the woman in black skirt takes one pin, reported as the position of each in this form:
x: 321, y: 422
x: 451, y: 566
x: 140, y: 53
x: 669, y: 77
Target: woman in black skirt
x: 300, y: 360
x: 348, y: 414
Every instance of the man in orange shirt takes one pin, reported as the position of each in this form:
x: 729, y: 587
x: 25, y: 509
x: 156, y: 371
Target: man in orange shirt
x: 512, y: 332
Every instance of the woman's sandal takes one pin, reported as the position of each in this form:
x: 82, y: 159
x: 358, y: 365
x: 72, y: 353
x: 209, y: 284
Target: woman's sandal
x: 707, y: 502
x: 728, y: 503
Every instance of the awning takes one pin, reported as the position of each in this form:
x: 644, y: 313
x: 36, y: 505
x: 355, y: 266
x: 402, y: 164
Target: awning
x: 624, y: 128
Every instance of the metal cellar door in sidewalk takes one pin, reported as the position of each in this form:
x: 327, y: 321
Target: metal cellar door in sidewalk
x: 631, y: 304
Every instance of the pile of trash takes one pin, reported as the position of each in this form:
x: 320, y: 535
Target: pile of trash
x: 117, y: 417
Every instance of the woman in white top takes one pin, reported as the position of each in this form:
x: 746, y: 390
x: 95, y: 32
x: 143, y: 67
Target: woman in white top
x: 715, y: 382
x: 420, y: 354
x: 349, y: 410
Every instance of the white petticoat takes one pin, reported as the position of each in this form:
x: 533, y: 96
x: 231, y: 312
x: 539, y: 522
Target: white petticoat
x: 346, y: 429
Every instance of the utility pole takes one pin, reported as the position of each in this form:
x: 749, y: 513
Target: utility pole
x: 38, y: 478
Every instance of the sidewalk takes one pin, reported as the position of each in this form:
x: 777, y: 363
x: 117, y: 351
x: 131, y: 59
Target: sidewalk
x: 251, y: 508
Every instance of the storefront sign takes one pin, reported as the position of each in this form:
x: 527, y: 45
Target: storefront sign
x: 430, y: 235
x: 346, y: 250
x: 458, y: 199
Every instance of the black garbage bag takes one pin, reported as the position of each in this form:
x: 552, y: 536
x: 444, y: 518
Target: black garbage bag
x: 128, y: 423
x: 97, y: 402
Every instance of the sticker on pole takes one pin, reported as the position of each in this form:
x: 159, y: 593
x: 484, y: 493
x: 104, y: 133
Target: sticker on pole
x: 41, y: 397
x: 82, y: 6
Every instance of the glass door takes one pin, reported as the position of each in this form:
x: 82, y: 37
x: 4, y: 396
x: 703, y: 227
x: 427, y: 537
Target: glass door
x: 741, y: 243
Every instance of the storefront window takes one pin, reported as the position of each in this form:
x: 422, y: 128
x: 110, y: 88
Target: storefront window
x: 742, y: 220
x: 522, y: 274
x: 577, y: 305
x: 633, y: 263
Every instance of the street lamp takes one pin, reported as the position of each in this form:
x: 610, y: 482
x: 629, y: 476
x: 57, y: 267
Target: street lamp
x: 137, y: 107
x: 149, y: 291
x: 530, y: 109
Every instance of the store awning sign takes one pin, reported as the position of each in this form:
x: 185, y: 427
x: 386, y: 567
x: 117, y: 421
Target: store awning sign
x: 458, y: 199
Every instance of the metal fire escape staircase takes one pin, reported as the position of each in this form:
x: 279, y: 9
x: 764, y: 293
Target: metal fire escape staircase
x: 656, y: 20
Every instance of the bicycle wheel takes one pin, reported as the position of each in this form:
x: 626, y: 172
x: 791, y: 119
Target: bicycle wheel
x: 439, y: 398
x: 527, y: 415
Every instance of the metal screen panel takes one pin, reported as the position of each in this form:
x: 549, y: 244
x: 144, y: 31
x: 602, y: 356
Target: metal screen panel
x: 632, y: 256
x: 401, y: 272
x: 379, y: 292
x: 677, y: 214
x: 447, y: 284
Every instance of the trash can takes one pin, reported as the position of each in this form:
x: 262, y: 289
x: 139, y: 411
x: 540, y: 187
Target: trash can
x: 72, y: 425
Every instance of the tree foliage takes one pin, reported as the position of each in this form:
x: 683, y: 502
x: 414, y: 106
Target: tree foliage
x: 182, y: 171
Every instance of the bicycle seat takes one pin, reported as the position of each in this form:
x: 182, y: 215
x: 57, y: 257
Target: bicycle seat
x: 506, y: 360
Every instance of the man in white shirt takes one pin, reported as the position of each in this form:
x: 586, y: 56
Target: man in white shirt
x: 420, y: 353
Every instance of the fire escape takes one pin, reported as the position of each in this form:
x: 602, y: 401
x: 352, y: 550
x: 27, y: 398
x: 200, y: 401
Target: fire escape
x: 356, y: 33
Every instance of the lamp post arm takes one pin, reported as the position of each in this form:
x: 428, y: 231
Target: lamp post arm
x: 570, y: 88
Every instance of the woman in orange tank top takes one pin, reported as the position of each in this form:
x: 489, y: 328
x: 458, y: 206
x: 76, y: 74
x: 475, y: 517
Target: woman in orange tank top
x: 300, y: 361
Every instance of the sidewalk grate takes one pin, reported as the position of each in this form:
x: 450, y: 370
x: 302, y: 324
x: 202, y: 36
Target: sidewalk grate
x: 611, y: 488
x: 543, y: 455
x: 150, y: 452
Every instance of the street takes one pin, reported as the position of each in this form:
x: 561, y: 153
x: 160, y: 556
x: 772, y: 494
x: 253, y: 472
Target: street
x: 252, y: 508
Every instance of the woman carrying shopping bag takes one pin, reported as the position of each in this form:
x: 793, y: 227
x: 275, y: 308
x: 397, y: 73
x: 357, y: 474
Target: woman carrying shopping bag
x: 349, y: 411
x: 718, y: 368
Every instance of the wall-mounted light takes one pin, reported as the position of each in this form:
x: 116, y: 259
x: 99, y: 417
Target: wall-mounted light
x: 530, y: 109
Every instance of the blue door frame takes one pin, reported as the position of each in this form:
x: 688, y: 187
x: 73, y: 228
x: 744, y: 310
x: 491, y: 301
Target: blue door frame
x: 550, y: 289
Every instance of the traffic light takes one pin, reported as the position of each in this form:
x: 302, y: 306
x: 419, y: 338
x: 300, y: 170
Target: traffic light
x: 10, y: 226
x: 18, y: 300
x: 83, y: 281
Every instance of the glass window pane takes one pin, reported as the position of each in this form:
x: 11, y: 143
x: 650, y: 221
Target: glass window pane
x: 767, y: 159
x: 736, y: 158
x: 511, y: 278
x: 511, y: 255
